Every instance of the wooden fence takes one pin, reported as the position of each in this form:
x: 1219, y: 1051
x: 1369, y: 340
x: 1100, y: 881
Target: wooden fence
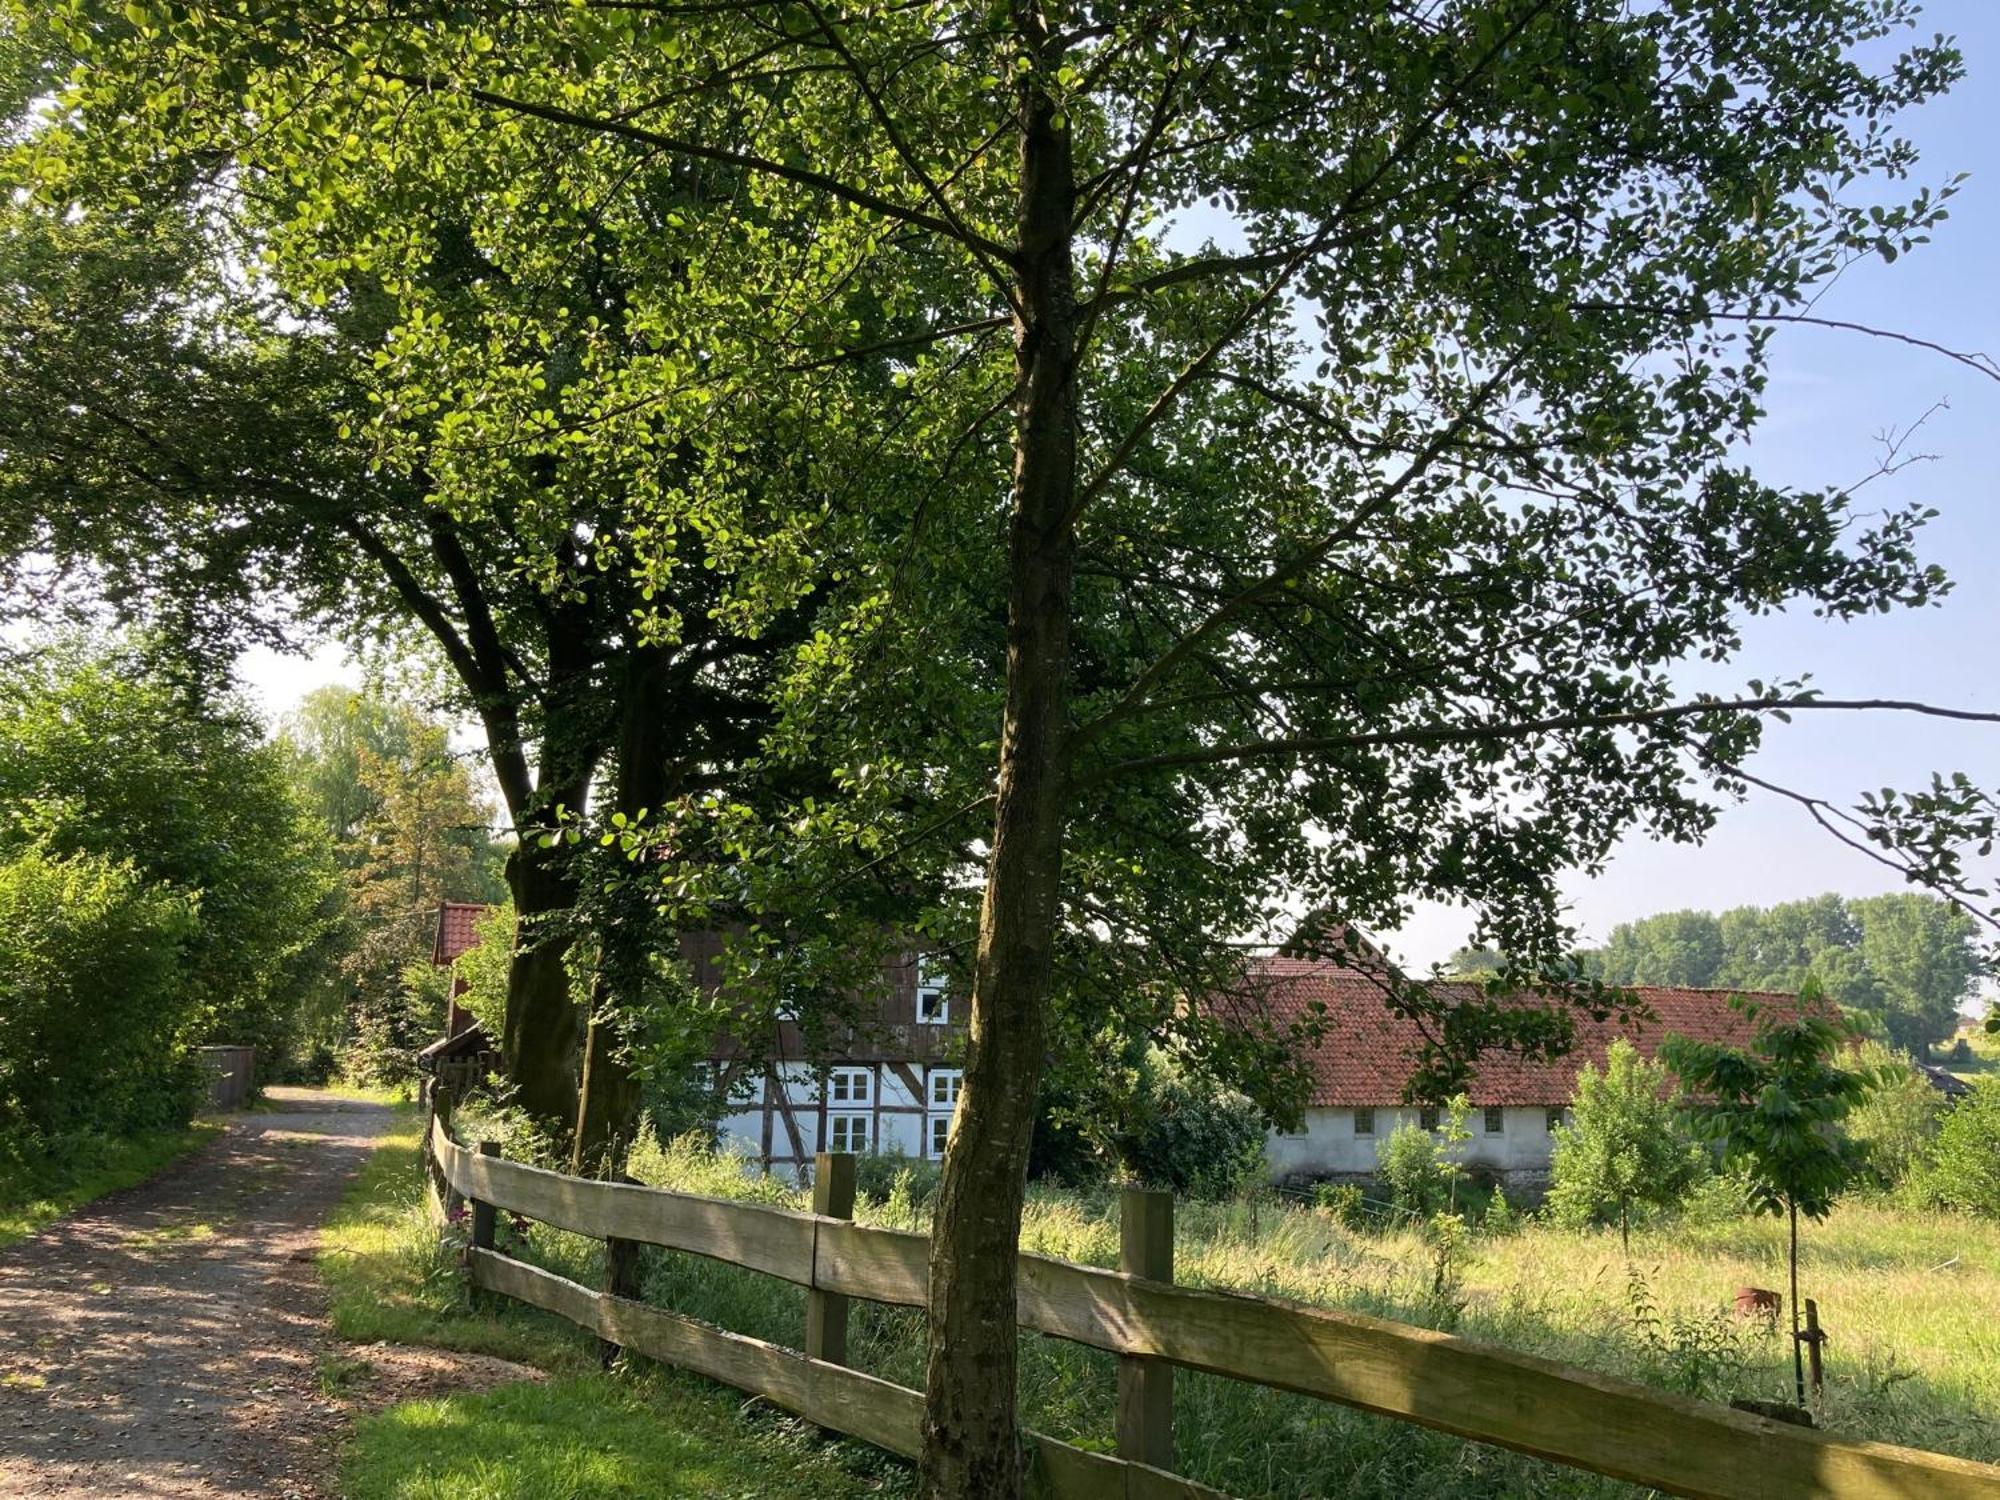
x: 1477, y: 1391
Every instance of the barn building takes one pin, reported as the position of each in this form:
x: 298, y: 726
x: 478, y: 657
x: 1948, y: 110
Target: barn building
x: 1365, y: 1056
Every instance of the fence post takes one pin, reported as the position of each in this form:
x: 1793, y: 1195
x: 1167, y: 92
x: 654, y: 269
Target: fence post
x: 484, y: 1216
x: 826, y: 1312
x: 1146, y: 1386
x: 621, y: 1279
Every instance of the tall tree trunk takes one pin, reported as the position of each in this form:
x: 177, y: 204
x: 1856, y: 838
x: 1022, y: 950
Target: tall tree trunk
x: 539, y: 1048
x: 608, y: 1110
x: 971, y: 1436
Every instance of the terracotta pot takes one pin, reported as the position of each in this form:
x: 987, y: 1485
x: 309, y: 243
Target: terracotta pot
x: 1756, y: 1302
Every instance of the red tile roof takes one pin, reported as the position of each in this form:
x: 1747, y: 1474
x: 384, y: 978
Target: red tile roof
x: 455, y: 929
x: 1366, y: 1054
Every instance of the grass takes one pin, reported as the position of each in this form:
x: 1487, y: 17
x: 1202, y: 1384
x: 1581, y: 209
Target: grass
x: 31, y: 1199
x: 649, y: 1434
x: 581, y: 1435
x: 1907, y: 1299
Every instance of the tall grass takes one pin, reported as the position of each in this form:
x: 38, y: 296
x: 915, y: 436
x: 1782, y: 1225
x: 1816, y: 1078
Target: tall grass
x: 1914, y: 1357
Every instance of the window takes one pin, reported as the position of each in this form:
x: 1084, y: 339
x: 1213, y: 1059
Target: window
x: 850, y: 1086
x: 847, y: 1132
x: 1364, y: 1122
x: 1496, y: 1120
x: 933, y: 1004
x: 1427, y: 1119
x: 944, y: 1088
x: 939, y: 1132
x: 1555, y: 1118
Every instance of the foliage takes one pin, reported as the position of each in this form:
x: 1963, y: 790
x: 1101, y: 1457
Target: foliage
x: 1622, y: 1147
x: 483, y: 968
x: 95, y: 1019
x: 391, y: 1025
x: 1899, y: 1119
x: 1418, y: 1165
x: 1777, y: 1111
x: 1393, y: 520
x: 1344, y: 1202
x: 1962, y: 1168
x: 109, y: 753
x: 1697, y: 1354
x: 1186, y: 1135
x: 1903, y: 961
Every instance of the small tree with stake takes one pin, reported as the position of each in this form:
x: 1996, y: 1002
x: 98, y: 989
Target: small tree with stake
x: 1776, y: 1111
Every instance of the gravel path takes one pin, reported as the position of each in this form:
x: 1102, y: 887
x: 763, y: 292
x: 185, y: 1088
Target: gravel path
x: 168, y: 1340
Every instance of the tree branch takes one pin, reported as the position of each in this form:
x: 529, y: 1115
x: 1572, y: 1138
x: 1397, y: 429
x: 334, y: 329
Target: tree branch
x: 1449, y: 734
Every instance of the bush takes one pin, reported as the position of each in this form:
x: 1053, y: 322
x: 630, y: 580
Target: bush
x: 1962, y: 1169
x: 882, y: 1175
x: 1899, y: 1120
x: 391, y: 1029
x: 1624, y: 1150
x: 1413, y: 1167
x: 1193, y: 1138
x: 94, y: 1019
x: 1343, y: 1202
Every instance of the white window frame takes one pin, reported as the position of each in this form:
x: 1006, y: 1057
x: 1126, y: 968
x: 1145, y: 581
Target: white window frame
x: 852, y: 1087
x: 951, y: 1080
x: 931, y: 988
x: 843, y: 1128
x: 937, y: 1131
x: 1364, y: 1122
x: 1496, y: 1120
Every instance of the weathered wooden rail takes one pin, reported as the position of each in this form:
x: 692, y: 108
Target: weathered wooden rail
x: 1478, y: 1391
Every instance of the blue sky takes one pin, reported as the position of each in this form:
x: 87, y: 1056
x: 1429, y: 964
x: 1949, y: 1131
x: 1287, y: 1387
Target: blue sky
x: 1831, y: 394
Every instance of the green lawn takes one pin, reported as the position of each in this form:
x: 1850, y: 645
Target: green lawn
x: 581, y: 1435
x: 29, y: 1200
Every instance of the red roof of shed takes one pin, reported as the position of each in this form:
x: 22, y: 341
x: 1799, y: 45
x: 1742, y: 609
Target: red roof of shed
x: 455, y: 929
x: 1367, y: 1053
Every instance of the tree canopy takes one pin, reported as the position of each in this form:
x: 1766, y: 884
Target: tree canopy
x: 1908, y: 960
x: 1108, y: 475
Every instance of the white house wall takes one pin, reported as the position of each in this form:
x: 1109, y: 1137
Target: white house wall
x: 1329, y: 1147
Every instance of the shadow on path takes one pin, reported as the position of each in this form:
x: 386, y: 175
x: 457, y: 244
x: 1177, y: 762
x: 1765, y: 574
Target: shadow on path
x: 166, y: 1340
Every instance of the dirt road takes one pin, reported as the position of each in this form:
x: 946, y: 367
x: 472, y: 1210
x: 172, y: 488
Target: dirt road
x: 167, y: 1340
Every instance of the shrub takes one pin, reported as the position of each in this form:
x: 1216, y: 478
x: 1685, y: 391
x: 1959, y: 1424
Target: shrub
x: 1343, y: 1202
x: 1962, y: 1169
x: 1501, y: 1217
x: 1624, y: 1149
x: 390, y: 1029
x: 1899, y: 1120
x: 882, y: 1175
x: 1413, y: 1167
x: 1192, y: 1137
x: 94, y: 1017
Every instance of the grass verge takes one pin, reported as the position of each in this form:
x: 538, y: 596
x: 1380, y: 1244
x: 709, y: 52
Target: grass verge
x: 31, y: 1201
x: 581, y: 1435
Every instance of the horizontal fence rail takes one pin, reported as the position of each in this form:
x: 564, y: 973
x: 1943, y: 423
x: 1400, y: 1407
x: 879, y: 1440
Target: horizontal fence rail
x: 1456, y: 1385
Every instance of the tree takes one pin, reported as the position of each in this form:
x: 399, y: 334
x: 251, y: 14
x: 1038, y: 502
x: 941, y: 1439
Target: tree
x: 1622, y: 1146
x: 1390, y: 521
x: 95, y: 1016
x: 1673, y: 948
x: 1906, y: 960
x: 1920, y: 953
x: 1777, y: 1110
x: 102, y: 754
x: 181, y: 440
